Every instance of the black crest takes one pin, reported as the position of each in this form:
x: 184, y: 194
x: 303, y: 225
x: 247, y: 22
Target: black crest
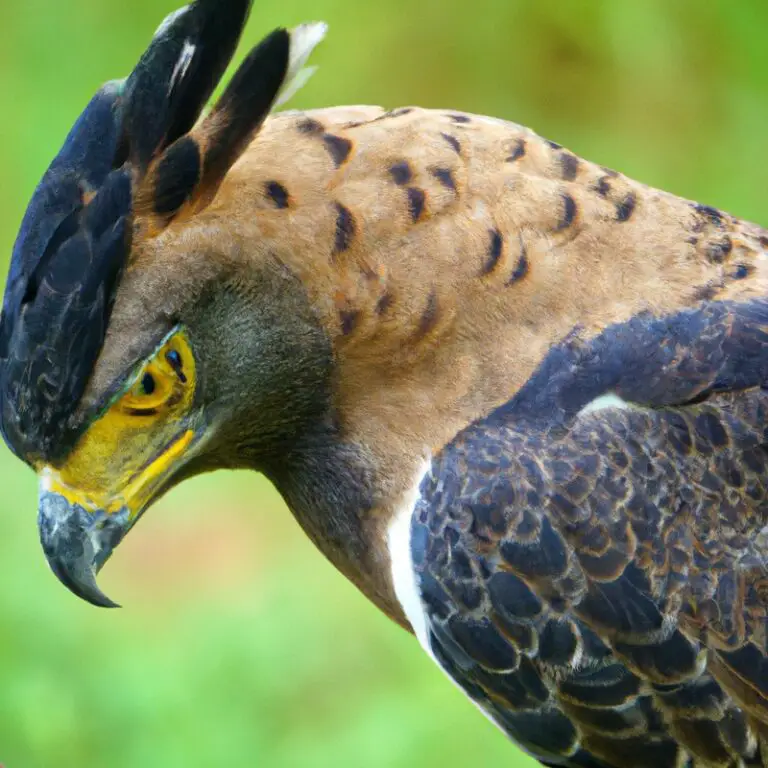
x: 134, y: 140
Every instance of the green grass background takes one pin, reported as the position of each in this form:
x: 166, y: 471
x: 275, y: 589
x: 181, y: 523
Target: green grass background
x: 238, y: 644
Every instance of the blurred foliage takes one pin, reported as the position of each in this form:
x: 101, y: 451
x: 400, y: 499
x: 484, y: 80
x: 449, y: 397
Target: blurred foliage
x: 239, y: 645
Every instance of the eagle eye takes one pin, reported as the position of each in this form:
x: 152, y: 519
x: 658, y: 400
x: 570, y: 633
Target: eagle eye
x: 161, y: 382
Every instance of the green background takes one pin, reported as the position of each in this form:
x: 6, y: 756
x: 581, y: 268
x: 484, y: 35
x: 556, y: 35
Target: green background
x: 239, y: 645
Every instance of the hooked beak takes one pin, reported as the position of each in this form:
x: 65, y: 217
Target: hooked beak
x: 79, y: 528
x: 77, y: 542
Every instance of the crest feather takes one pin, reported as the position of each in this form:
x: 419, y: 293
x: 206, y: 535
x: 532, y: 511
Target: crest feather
x: 271, y: 73
x: 134, y: 151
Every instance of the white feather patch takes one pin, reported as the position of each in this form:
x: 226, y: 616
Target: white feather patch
x: 609, y: 400
x: 304, y: 39
x: 403, y: 573
x: 404, y: 576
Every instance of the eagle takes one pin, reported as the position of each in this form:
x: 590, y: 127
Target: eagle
x: 517, y: 398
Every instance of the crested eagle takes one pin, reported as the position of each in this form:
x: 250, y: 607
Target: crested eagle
x: 517, y: 398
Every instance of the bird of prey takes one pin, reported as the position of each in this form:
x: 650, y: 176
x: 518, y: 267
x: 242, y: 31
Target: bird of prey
x: 517, y: 398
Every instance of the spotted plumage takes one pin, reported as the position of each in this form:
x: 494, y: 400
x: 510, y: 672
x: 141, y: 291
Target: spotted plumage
x: 351, y: 299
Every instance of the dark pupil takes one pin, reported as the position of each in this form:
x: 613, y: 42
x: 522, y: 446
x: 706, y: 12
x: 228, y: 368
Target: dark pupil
x: 148, y: 384
x: 174, y: 360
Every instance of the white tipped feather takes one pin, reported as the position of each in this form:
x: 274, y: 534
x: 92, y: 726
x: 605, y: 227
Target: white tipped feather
x: 304, y: 39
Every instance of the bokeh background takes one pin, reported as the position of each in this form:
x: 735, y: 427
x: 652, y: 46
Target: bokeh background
x: 239, y: 645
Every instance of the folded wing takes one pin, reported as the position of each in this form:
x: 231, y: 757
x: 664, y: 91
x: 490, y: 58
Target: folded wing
x: 592, y: 557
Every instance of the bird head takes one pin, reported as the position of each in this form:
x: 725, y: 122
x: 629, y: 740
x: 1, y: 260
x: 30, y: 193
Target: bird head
x: 121, y: 374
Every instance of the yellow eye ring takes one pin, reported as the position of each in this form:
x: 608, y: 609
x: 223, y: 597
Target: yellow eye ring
x: 162, y: 381
x: 151, y: 390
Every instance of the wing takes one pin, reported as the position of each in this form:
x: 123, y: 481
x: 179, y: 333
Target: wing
x: 591, y: 557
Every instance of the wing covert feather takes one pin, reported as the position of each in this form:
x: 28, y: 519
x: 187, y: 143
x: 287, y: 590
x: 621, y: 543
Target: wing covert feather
x: 594, y: 572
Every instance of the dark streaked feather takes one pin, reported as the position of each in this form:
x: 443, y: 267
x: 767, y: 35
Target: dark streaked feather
x: 177, y: 74
x: 176, y: 176
x: 242, y: 108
